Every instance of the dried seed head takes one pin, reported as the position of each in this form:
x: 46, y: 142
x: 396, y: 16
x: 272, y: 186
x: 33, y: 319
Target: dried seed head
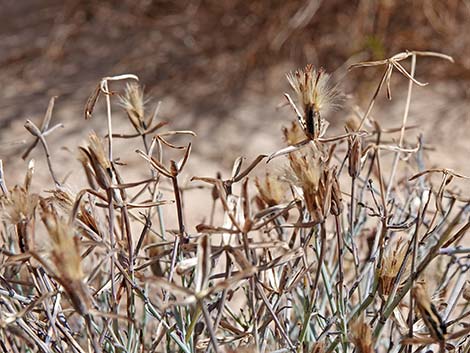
x: 66, y: 257
x: 391, y: 264
x: 20, y: 205
x: 307, y: 172
x: 316, y: 95
x: 133, y: 103
x: 293, y: 134
x: 314, y: 89
x: 65, y: 246
x: 361, y: 336
x: 271, y: 189
x: 63, y: 199
x: 19, y: 208
x: 97, y: 160
x: 96, y: 148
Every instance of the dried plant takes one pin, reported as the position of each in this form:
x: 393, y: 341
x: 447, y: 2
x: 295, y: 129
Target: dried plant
x: 361, y: 337
x: 324, y: 257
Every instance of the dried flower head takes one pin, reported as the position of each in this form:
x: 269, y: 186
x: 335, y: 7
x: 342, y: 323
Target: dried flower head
x: 271, y: 189
x: 65, y: 247
x: 94, y: 157
x: 62, y: 198
x: 391, y: 264
x: 133, y: 102
x: 19, y: 205
x: 66, y: 257
x: 293, y: 134
x: 317, y: 97
x: 307, y: 173
x: 361, y: 336
x: 96, y: 147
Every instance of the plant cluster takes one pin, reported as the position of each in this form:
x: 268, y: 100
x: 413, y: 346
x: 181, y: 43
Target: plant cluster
x: 350, y: 247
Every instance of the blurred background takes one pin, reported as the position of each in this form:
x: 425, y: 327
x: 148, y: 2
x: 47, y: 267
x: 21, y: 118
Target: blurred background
x: 219, y: 66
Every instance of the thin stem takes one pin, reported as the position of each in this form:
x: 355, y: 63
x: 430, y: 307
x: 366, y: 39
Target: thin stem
x: 403, y: 128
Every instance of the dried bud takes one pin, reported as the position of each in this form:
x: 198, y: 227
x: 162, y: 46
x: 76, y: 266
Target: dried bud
x: 204, y: 264
x: 29, y: 175
x: 336, y: 197
x: 428, y: 312
x: 325, y: 191
x: 355, y: 154
x: 214, y: 191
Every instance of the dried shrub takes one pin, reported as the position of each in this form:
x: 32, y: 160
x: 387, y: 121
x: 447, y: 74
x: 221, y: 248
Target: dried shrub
x: 280, y: 267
